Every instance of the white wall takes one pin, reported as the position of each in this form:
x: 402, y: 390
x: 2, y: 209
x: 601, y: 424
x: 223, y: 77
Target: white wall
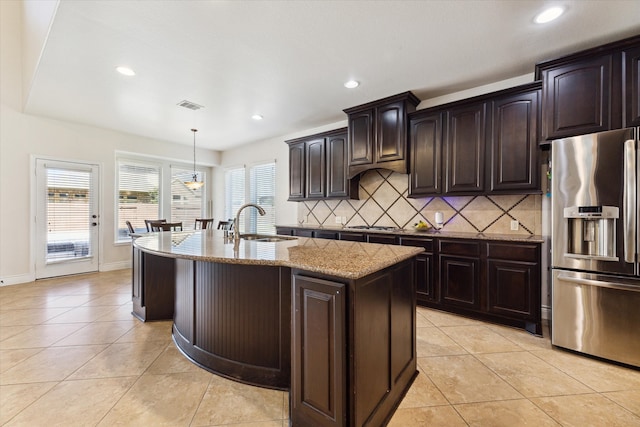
x: 24, y: 137
x: 267, y: 150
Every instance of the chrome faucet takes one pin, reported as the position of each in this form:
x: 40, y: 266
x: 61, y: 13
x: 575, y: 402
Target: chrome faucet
x: 236, y: 224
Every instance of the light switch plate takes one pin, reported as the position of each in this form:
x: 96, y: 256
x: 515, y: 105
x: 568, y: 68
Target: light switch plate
x: 514, y: 225
x: 338, y: 220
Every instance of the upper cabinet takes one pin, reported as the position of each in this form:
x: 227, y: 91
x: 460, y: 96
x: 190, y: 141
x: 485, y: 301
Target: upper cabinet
x: 590, y: 91
x: 378, y: 134
x: 631, y: 61
x: 318, y: 167
x: 425, y: 147
x: 483, y: 145
x: 297, y: 178
x: 513, y: 159
x: 465, y: 144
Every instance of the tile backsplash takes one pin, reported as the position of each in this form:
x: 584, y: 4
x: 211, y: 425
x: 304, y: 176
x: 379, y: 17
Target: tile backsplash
x: 384, y: 202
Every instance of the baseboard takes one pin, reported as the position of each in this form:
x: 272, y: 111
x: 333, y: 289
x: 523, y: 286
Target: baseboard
x: 546, y: 312
x: 120, y: 265
x: 17, y: 279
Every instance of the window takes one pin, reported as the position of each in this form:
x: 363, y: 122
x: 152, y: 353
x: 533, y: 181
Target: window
x: 234, y: 191
x: 138, y: 196
x: 186, y: 204
x: 263, y: 193
x: 261, y: 190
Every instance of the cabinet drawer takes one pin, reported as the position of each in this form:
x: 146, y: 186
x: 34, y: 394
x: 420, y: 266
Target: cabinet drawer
x: 426, y: 244
x: 459, y: 247
x: 384, y: 239
x: 511, y: 251
x: 325, y: 235
x: 353, y: 237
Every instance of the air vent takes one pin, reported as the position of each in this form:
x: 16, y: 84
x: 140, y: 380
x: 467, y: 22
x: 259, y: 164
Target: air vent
x: 190, y: 105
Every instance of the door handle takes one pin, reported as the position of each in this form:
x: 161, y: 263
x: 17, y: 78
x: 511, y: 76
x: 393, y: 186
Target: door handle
x: 629, y: 200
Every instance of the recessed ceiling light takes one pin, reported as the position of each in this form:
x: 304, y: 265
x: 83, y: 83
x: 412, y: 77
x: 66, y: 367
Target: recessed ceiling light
x: 351, y: 84
x: 548, y: 15
x: 126, y: 71
x: 257, y: 117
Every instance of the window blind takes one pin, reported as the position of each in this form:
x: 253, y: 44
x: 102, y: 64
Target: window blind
x: 186, y: 204
x: 138, y: 196
x: 262, y: 190
x: 68, y: 213
x: 234, y: 192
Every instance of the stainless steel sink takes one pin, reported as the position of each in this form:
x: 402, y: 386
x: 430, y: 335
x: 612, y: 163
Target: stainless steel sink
x: 265, y: 237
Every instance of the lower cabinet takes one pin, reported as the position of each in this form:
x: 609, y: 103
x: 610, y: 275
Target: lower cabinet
x: 495, y: 280
x: 460, y: 273
x: 153, y: 287
x: 354, y: 347
x: 513, y: 283
x: 426, y: 289
x: 319, y: 384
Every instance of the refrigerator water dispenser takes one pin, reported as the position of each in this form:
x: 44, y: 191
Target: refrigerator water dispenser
x: 591, y: 232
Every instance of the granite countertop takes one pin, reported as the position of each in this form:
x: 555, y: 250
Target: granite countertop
x: 429, y: 233
x: 351, y: 260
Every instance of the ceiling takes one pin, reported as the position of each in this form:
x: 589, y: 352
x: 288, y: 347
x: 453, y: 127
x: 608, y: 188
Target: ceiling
x: 288, y: 60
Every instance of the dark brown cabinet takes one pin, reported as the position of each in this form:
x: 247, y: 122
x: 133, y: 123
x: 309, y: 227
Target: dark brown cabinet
x: 591, y: 91
x: 297, y: 177
x: 338, y: 186
x: 513, y: 277
x: 460, y: 273
x: 319, y: 389
x: 494, y: 280
x: 343, y: 333
x: 318, y: 168
x: 426, y: 289
x: 465, y: 149
x: 425, y: 147
x: 578, y: 97
x: 489, y: 144
x: 513, y: 147
x: 152, y: 286
x: 378, y: 134
x: 631, y: 59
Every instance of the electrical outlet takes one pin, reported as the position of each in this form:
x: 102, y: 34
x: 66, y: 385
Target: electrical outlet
x: 338, y: 220
x: 514, y: 225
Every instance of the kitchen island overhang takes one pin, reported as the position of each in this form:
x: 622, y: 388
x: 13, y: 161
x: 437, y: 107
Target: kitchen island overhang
x: 318, y: 317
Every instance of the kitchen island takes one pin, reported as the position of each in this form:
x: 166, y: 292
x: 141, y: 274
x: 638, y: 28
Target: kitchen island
x: 332, y: 321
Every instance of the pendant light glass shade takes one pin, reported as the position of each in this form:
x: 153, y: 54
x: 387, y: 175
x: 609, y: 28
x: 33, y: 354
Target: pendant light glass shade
x: 194, y: 184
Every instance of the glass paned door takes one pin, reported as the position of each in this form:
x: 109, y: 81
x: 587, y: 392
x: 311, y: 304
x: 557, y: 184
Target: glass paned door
x: 67, y: 219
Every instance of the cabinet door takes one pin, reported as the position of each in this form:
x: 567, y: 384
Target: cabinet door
x: 361, y: 138
x: 316, y: 168
x: 513, y: 162
x: 318, y: 378
x: 632, y: 87
x: 577, y: 98
x: 426, y: 290
x: 460, y: 273
x: 512, y: 287
x: 425, y: 145
x: 337, y: 183
x: 296, y: 171
x: 390, y: 133
x: 460, y: 281
x: 465, y: 149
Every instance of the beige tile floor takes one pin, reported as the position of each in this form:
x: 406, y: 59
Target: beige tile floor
x: 71, y: 354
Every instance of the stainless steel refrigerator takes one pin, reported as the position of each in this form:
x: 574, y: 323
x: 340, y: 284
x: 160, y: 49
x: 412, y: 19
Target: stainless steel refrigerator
x: 595, y: 245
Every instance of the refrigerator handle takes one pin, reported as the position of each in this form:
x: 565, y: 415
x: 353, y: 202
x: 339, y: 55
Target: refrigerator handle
x: 629, y: 202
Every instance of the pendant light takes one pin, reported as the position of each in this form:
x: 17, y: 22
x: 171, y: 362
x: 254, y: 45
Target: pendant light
x: 194, y: 184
